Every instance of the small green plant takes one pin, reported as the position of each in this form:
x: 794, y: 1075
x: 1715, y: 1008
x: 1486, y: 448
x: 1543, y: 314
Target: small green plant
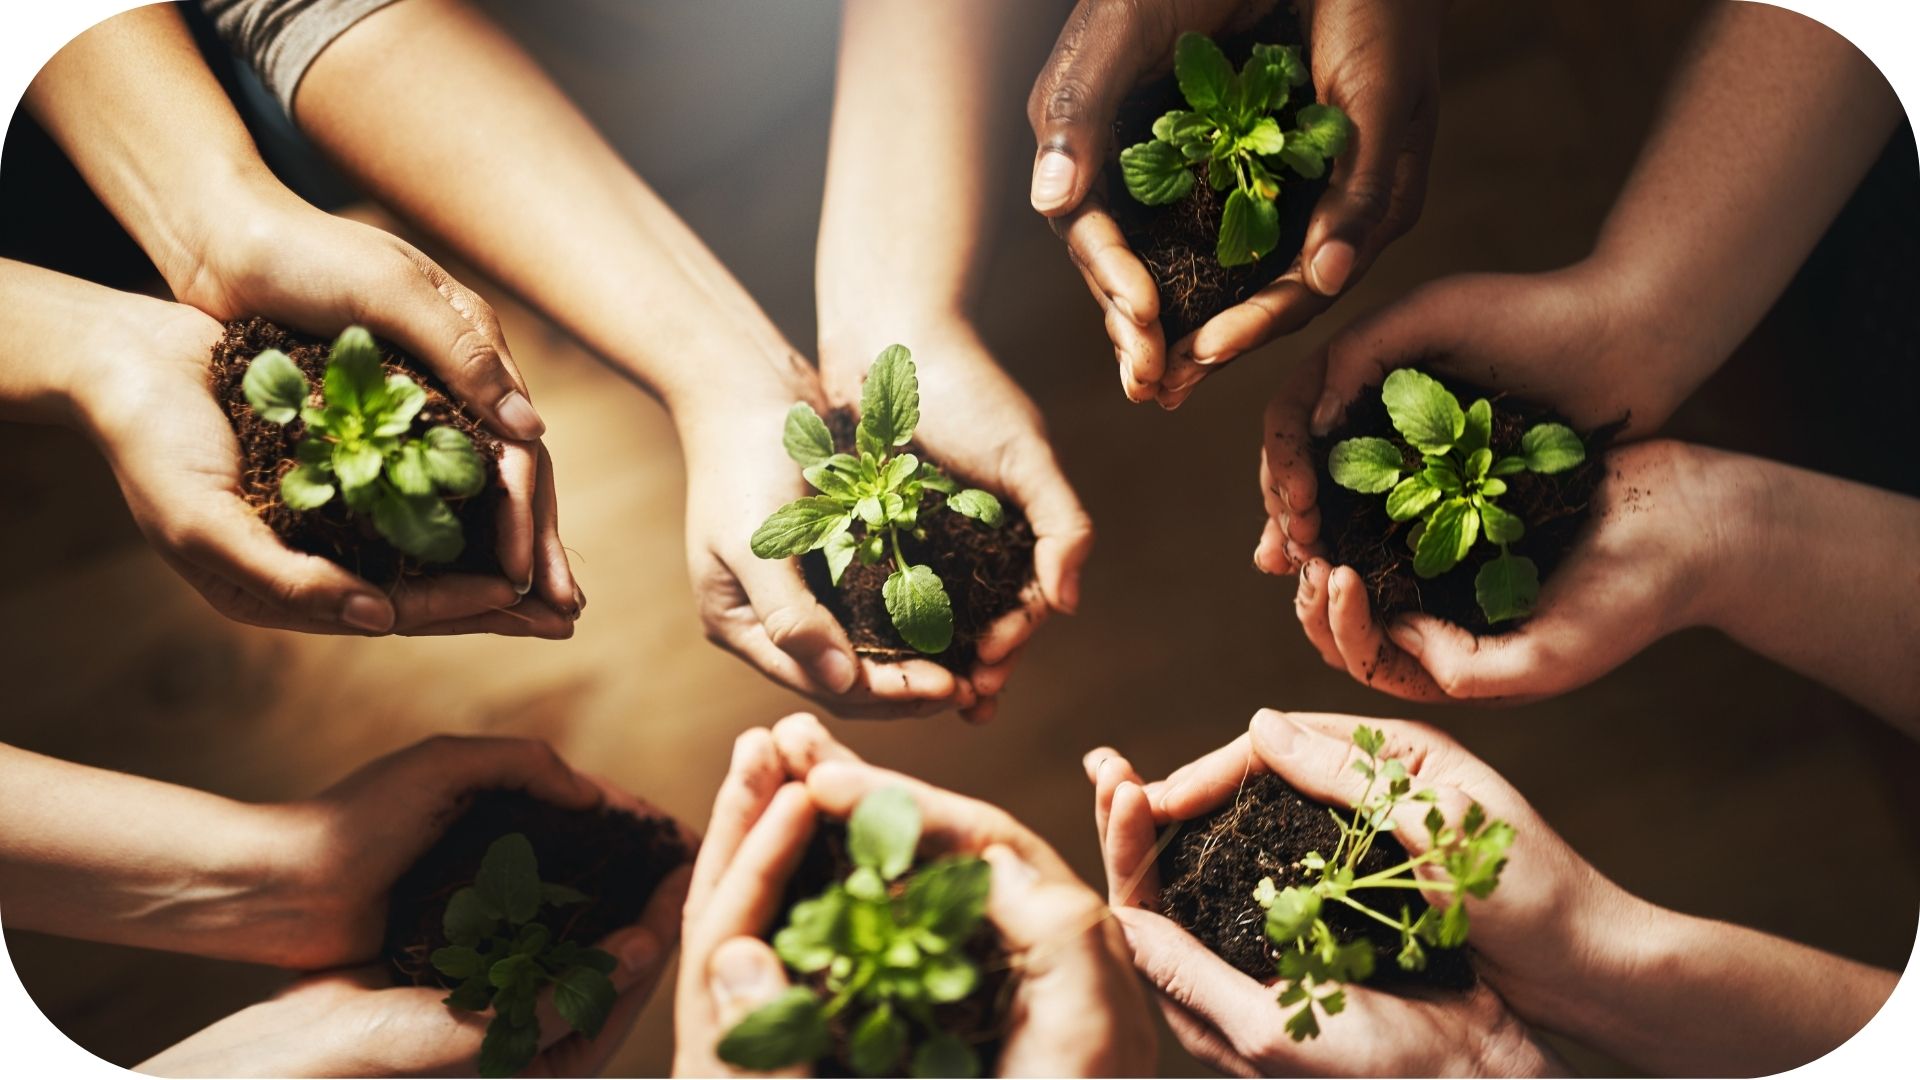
x: 1231, y: 129
x: 885, y: 944
x: 1453, y: 493
x: 504, y: 955
x: 1314, y: 965
x: 356, y: 443
x: 879, y: 492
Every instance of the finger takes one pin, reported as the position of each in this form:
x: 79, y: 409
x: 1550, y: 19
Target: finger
x: 1310, y: 607
x: 1315, y: 751
x: 1281, y: 308
x: 1430, y: 321
x: 1202, y: 1041
x: 1073, y: 102
x: 1462, y: 666
x: 1207, y: 987
x: 1119, y: 281
x: 753, y: 775
x: 982, y: 711
x: 797, y: 623
x: 1204, y: 784
x: 455, y: 333
x: 1132, y: 845
x: 1375, y: 193
x: 950, y: 823
x: 528, y: 618
x: 552, y: 573
x: 1270, y: 555
x: 743, y: 974
x: 989, y: 680
x: 749, y: 890
x: 1290, y: 481
x: 235, y: 546
x: 421, y: 601
x: 1370, y: 657
x: 803, y: 742
x: 452, y: 766
x: 995, y: 648
x: 514, y: 518
x: 1063, y: 533
x: 1105, y: 770
x: 1139, y: 364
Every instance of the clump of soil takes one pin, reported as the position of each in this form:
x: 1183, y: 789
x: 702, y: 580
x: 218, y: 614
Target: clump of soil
x: 1210, y: 870
x: 1360, y: 534
x: 616, y: 858
x: 332, y: 531
x: 1176, y: 242
x: 982, y: 567
x: 981, y: 1021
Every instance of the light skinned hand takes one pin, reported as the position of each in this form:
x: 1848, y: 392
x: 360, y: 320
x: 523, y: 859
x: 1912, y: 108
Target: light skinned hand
x: 1376, y: 61
x: 1233, y: 1022
x: 981, y: 426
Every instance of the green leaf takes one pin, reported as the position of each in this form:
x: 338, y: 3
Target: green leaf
x: 1551, y: 448
x: 1507, y: 587
x: 1411, y: 497
x: 510, y: 878
x: 404, y: 400
x: 473, y: 995
x: 890, y: 398
x: 948, y: 978
x: 1477, y: 464
x: 508, y: 1048
x: 553, y: 895
x: 1479, y: 430
x: 452, y: 461
x: 407, y: 470
x: 1302, y: 1025
x: 1156, y: 173
x: 1423, y: 411
x: 531, y: 940
x: 1202, y: 70
x: 1450, y: 533
x: 832, y: 483
x: 813, y: 932
x: 355, y: 381
x: 1284, y: 61
x: 583, y: 997
x: 458, y: 961
x: 1323, y: 128
x: 305, y: 487
x: 839, y: 548
x: 1249, y: 229
x: 1265, y: 138
x: 789, y: 1030
x: 422, y: 527
x: 1500, y: 526
x: 879, y: 1039
x: 1180, y: 127
x: 275, y: 387
x: 919, y: 607
x: 979, y: 505
x: 468, y: 918
x: 357, y: 464
x: 949, y: 896
x: 1368, y: 465
x: 945, y: 1055
x: 884, y: 830
x: 933, y: 479
x: 898, y: 471
x: 799, y: 526
x: 1507, y: 466
x: 806, y: 436
x: 1292, y: 914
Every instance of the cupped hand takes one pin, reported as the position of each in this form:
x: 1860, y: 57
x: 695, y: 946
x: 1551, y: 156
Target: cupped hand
x: 978, y: 423
x: 1376, y: 61
x: 148, y: 406
x: 1536, y: 935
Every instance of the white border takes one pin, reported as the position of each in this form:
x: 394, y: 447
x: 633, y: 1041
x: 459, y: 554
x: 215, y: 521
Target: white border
x: 32, y: 31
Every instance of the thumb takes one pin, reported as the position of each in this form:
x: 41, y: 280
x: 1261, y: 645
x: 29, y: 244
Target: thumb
x: 1375, y: 194
x: 742, y: 975
x: 1063, y: 533
x: 1430, y: 321
x: 797, y: 623
x: 1466, y: 666
x: 1073, y: 103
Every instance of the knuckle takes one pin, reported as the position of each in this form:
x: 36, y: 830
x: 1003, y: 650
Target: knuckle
x: 784, y: 626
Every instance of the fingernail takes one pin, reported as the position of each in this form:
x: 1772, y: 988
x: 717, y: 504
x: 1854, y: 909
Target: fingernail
x: 1406, y: 637
x: 1052, y: 180
x: 835, y: 669
x: 1331, y: 266
x: 1209, y: 361
x: 1304, y: 593
x: 1276, y: 732
x: 743, y: 974
x: 579, y: 602
x: 365, y: 611
x: 522, y: 588
x: 1323, y: 416
x: 518, y: 420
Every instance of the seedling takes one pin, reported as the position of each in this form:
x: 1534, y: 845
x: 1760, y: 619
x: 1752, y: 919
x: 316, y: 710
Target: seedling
x: 1453, y: 493
x: 505, y: 955
x: 356, y: 443
x: 1314, y: 966
x: 878, y: 492
x: 883, y: 946
x: 1230, y: 128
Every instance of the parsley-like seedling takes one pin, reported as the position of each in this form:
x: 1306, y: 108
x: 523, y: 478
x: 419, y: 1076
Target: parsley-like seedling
x: 504, y: 955
x: 1314, y: 965
x: 356, y: 442
x: 1230, y: 127
x: 1453, y: 494
x: 885, y: 944
x: 879, y: 492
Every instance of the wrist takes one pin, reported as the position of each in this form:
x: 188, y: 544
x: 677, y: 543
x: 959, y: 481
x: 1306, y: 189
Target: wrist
x: 1735, y: 498
x: 229, y: 218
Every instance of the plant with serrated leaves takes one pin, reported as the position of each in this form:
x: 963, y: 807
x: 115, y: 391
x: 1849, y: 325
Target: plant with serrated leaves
x: 1314, y: 965
x: 1452, y: 493
x: 867, y: 499
x: 504, y: 954
x: 1230, y: 128
x: 357, y: 443
x: 885, y: 946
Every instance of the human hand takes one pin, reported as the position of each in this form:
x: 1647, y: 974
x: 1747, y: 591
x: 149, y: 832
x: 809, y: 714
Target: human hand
x: 980, y: 425
x: 145, y: 401
x: 1541, y: 929
x: 1377, y: 62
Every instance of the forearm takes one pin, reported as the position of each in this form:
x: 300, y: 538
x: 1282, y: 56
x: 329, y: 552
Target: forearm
x: 43, y: 367
x: 104, y: 856
x: 1766, y: 132
x: 434, y: 110
x: 1816, y: 573
x: 925, y: 122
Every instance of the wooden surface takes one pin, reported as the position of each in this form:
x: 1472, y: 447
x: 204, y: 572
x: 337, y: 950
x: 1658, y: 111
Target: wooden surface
x: 1697, y: 775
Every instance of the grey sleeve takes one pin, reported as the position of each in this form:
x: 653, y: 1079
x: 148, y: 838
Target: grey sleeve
x: 279, y: 38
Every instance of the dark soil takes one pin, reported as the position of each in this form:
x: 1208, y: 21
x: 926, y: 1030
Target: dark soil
x: 983, y: 569
x: 1177, y: 241
x: 1361, y: 535
x: 1209, y: 873
x: 616, y: 858
x: 332, y: 532
x: 981, y: 1020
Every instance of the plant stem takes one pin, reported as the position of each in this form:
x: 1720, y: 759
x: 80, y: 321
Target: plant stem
x: 899, y: 557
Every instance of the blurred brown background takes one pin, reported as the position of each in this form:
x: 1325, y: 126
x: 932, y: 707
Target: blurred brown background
x: 1697, y: 775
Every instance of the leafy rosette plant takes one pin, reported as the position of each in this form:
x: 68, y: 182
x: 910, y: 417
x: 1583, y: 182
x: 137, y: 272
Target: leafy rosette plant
x: 883, y: 948
x: 1230, y: 129
x: 1314, y: 965
x: 1452, y: 493
x: 357, y: 443
x: 868, y: 499
x: 503, y: 955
